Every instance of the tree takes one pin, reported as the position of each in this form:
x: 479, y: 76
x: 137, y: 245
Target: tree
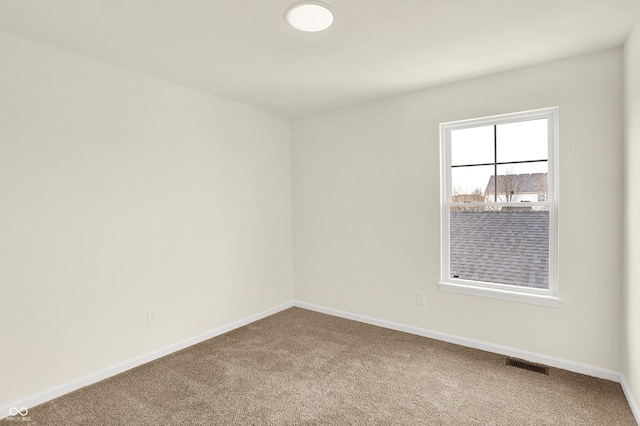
x: 459, y: 195
x: 509, y: 185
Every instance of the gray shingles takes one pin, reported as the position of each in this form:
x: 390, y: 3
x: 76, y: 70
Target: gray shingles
x: 508, y: 247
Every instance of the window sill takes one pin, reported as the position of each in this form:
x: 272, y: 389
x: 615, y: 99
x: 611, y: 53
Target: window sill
x: 494, y: 293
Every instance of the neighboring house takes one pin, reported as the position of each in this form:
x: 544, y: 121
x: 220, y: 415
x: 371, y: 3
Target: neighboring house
x: 530, y: 187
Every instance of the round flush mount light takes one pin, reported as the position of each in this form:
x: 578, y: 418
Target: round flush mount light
x: 310, y: 16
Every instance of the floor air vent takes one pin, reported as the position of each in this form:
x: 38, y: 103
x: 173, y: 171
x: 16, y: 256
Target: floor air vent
x: 527, y: 366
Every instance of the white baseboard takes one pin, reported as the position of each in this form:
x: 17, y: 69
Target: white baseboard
x: 87, y: 380
x: 635, y: 408
x: 575, y: 367
x: 472, y: 343
x: 81, y: 382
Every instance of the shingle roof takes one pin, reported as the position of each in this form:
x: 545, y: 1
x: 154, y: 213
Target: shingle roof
x: 532, y: 183
x: 508, y: 247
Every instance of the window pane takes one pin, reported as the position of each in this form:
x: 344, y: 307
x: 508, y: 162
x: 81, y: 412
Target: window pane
x: 469, y: 184
x: 508, y: 246
x: 523, y: 182
x: 472, y: 146
x: 522, y: 141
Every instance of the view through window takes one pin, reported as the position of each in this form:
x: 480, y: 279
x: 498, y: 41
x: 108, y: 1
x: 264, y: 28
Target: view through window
x: 499, y: 202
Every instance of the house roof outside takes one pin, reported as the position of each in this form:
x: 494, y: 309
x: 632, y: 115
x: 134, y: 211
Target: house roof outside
x: 532, y: 183
x: 507, y: 247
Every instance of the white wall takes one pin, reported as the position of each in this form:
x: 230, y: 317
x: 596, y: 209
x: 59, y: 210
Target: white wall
x: 121, y: 193
x: 632, y: 213
x: 366, y: 210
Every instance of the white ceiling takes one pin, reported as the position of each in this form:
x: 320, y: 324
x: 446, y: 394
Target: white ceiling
x: 244, y: 50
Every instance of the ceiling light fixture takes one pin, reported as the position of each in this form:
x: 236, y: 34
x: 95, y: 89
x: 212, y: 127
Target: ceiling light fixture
x: 310, y: 16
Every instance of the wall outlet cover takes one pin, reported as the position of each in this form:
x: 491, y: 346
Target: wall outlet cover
x: 152, y: 317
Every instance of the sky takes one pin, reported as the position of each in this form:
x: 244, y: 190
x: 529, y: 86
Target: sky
x: 524, y: 140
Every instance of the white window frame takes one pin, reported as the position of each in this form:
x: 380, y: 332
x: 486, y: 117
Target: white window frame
x: 546, y: 297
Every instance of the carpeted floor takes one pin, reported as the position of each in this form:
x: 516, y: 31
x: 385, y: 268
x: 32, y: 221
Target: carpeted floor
x: 300, y: 367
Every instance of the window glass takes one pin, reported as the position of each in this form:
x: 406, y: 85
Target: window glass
x: 519, y: 182
x: 498, y: 207
x: 522, y: 141
x: 472, y: 146
x: 468, y: 182
x: 507, y: 246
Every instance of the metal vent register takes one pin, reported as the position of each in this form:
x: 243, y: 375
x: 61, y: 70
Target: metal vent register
x: 527, y: 366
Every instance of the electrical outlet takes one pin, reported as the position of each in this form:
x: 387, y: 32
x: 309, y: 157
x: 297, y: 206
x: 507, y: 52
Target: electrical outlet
x: 420, y: 298
x: 152, y: 317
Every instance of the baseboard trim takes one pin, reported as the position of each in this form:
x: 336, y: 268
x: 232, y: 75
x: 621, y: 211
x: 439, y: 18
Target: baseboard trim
x: 635, y: 408
x: 564, y: 364
x: 472, y: 343
x: 89, y: 379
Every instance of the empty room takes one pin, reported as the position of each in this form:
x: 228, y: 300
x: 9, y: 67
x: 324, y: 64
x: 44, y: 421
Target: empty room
x: 338, y: 212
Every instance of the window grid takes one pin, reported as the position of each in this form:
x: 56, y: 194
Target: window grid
x: 547, y: 296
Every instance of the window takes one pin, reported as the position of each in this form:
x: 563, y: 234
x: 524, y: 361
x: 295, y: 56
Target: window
x: 499, y: 206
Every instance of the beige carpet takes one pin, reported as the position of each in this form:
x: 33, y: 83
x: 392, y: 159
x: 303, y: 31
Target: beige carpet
x: 304, y: 368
